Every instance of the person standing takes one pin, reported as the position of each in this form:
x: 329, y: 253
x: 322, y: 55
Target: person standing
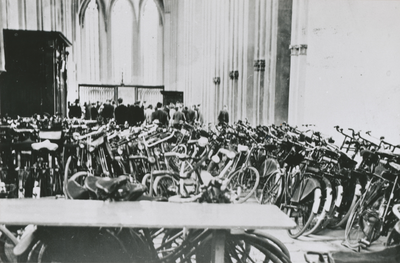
x: 200, y: 118
x: 121, y: 113
x: 172, y: 109
x: 179, y: 117
x: 147, y: 114
x: 223, y: 116
x: 160, y: 115
x: 88, y: 110
x: 108, y: 111
x: 192, y: 115
x: 75, y: 110
x: 136, y: 114
x: 94, y: 111
x: 185, y: 111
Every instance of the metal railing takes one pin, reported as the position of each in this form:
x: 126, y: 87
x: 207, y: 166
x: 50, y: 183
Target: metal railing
x: 129, y: 93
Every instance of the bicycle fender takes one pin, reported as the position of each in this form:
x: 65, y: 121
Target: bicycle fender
x: 305, y: 189
x: 328, y: 200
x: 317, y: 200
x: 357, y: 192
x: 339, y: 197
x: 26, y: 242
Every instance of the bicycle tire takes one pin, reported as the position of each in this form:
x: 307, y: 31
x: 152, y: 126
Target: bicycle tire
x: 393, y: 238
x: 320, y: 218
x: 138, y: 167
x: 71, y: 168
x: 7, y: 243
x: 272, y: 190
x: 82, y: 176
x: 354, y: 231
x: 343, y: 220
x: 162, y: 184
x: 277, y: 242
x: 241, y: 178
x: 303, y: 217
x: 87, y: 245
x: 241, y: 248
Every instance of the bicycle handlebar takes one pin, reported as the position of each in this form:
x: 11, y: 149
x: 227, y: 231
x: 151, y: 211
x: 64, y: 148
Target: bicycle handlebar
x: 79, y: 137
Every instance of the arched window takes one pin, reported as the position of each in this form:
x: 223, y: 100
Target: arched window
x: 151, y: 44
x: 90, y: 44
x: 122, y: 26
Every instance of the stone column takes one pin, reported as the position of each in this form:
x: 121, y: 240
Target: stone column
x: 2, y: 23
x: 298, y: 49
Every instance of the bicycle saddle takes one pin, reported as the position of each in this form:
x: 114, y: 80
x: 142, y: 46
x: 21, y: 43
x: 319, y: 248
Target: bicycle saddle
x: 110, y: 185
x: 130, y: 191
x: 90, y: 183
x: 388, y: 155
x: 369, y: 155
x: 76, y: 191
x: 44, y: 145
x: 387, y: 255
x: 346, y: 161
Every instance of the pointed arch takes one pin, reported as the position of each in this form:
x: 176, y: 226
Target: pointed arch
x: 160, y: 7
x: 125, y: 44
x: 82, y: 12
x: 151, y: 37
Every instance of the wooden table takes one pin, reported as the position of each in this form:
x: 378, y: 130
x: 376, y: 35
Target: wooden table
x: 144, y: 214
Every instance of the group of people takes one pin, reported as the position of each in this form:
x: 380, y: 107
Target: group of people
x: 172, y: 115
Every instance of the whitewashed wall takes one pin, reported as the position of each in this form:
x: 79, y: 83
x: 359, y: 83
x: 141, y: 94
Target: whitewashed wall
x: 208, y: 38
x: 351, y: 71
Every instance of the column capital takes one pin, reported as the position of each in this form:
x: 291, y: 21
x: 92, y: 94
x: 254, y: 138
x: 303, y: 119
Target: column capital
x: 303, y: 49
x: 294, y: 50
x: 259, y: 65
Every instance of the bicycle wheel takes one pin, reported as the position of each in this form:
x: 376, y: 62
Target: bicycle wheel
x: 146, y: 180
x: 272, y: 190
x: 393, y: 238
x: 340, y: 215
x: 317, y: 223
x: 170, y: 241
x: 85, y: 245
x: 7, y: 243
x: 272, y: 239
x: 139, y: 167
x: 353, y: 233
x: 71, y: 168
x: 244, y: 182
x: 302, y: 213
x: 240, y: 248
x: 165, y: 186
x: 364, y: 224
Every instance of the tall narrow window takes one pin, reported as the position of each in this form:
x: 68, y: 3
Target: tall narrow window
x: 151, y: 44
x: 122, y: 18
x: 90, y: 44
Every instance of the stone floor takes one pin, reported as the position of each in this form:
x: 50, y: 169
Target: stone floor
x: 327, y: 240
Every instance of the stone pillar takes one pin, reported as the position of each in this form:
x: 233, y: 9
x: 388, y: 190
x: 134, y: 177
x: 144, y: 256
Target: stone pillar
x: 298, y: 49
x: 283, y: 62
x: 2, y: 23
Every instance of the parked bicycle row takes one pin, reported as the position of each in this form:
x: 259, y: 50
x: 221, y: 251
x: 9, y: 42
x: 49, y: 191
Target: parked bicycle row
x: 109, y: 164
x: 317, y: 183
x: 321, y: 185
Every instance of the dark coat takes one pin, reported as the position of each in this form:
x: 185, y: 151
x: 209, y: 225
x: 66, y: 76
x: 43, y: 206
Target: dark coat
x: 160, y: 115
x: 121, y: 114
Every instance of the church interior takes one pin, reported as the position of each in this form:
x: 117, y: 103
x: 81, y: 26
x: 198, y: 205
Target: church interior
x: 325, y: 63
x: 309, y: 64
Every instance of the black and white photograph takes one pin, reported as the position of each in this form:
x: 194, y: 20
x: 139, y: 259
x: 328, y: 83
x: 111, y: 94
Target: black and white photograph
x: 200, y: 131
